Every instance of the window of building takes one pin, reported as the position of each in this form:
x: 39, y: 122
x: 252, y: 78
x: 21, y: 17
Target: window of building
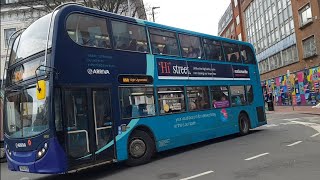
x: 88, y: 30
x: 295, y: 53
x: 240, y: 37
x: 277, y: 36
x: 272, y: 38
x: 171, y: 100
x: 213, y: 49
x: 198, y: 98
x: 290, y: 10
x: 129, y: 37
x: 292, y: 25
x: 231, y: 52
x: 137, y: 102
x: 283, y: 34
x: 232, y: 27
x: 309, y: 47
x: 289, y: 55
x: 267, y: 65
x: 284, y: 3
x: 238, y: 96
x: 238, y: 20
x: 275, y: 61
x: 235, y: 3
x: 305, y: 15
x: 276, y: 22
x: 285, y: 14
x: 7, y: 35
x: 190, y: 46
x: 163, y: 42
x: 279, y: 60
x: 284, y: 57
x: 261, y: 65
x: 288, y: 29
x: 220, y: 96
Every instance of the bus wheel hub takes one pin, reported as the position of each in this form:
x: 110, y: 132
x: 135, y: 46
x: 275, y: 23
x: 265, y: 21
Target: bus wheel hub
x: 137, y: 148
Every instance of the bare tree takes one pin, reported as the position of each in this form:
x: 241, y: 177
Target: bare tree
x: 114, y: 6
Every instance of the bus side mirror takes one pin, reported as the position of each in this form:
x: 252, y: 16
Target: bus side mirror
x: 41, y: 89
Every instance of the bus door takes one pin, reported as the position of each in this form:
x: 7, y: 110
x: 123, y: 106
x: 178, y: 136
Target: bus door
x: 103, y: 124
x: 89, y: 122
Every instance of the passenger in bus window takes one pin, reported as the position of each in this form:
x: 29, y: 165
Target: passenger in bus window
x: 165, y: 49
x: 191, y: 52
x: 192, y: 106
x: 243, y: 56
x: 133, y: 45
x: 233, y: 58
x: 174, y: 49
x: 155, y: 49
x: 86, y: 40
x: 122, y: 46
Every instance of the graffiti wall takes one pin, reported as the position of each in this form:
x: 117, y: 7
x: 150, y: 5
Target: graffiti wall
x: 303, y: 86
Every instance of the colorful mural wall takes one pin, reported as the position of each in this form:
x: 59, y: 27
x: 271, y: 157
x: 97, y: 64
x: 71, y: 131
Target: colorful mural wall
x: 303, y: 85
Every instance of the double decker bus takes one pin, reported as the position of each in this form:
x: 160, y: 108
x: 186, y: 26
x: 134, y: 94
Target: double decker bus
x: 87, y: 87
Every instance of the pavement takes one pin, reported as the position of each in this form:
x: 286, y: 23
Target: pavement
x: 296, y: 110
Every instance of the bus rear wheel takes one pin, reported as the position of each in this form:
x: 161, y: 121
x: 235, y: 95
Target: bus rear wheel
x: 141, y: 148
x: 244, y: 124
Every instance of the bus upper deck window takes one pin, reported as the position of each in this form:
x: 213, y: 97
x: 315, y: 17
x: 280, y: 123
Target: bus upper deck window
x: 163, y: 42
x: 232, y: 52
x: 213, y: 50
x: 247, y: 54
x: 129, y: 37
x: 191, y: 46
x: 88, y: 30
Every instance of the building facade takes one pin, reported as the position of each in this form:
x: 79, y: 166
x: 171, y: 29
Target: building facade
x: 285, y: 34
x: 15, y: 17
x: 231, y: 24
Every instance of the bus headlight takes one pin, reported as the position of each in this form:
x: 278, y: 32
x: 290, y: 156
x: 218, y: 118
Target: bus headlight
x: 8, y: 150
x: 42, y: 151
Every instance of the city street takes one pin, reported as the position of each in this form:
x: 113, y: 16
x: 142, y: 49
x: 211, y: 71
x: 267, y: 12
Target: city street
x: 287, y: 148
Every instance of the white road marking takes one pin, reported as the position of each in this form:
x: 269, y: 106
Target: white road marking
x: 288, y: 123
x: 271, y: 125
x: 315, y: 135
x: 298, y: 142
x: 315, y: 126
x: 291, y: 119
x: 257, y: 156
x: 198, y: 175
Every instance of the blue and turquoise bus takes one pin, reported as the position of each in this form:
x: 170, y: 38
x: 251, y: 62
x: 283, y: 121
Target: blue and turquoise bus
x: 86, y: 87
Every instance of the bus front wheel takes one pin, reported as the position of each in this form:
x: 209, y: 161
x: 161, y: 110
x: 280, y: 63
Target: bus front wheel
x: 141, y: 147
x: 244, y: 124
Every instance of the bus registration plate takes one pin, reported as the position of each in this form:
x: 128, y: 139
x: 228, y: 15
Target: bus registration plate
x: 24, y: 168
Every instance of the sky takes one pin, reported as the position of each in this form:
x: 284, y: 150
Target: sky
x: 195, y: 15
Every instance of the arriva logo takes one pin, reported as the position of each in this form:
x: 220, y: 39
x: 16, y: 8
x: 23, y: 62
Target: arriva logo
x: 21, y: 145
x: 98, y: 71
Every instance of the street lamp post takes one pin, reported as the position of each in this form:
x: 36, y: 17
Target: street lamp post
x: 129, y: 8
x: 153, y: 8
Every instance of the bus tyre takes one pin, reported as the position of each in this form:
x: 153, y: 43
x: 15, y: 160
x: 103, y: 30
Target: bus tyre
x: 244, y: 124
x: 141, y: 147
